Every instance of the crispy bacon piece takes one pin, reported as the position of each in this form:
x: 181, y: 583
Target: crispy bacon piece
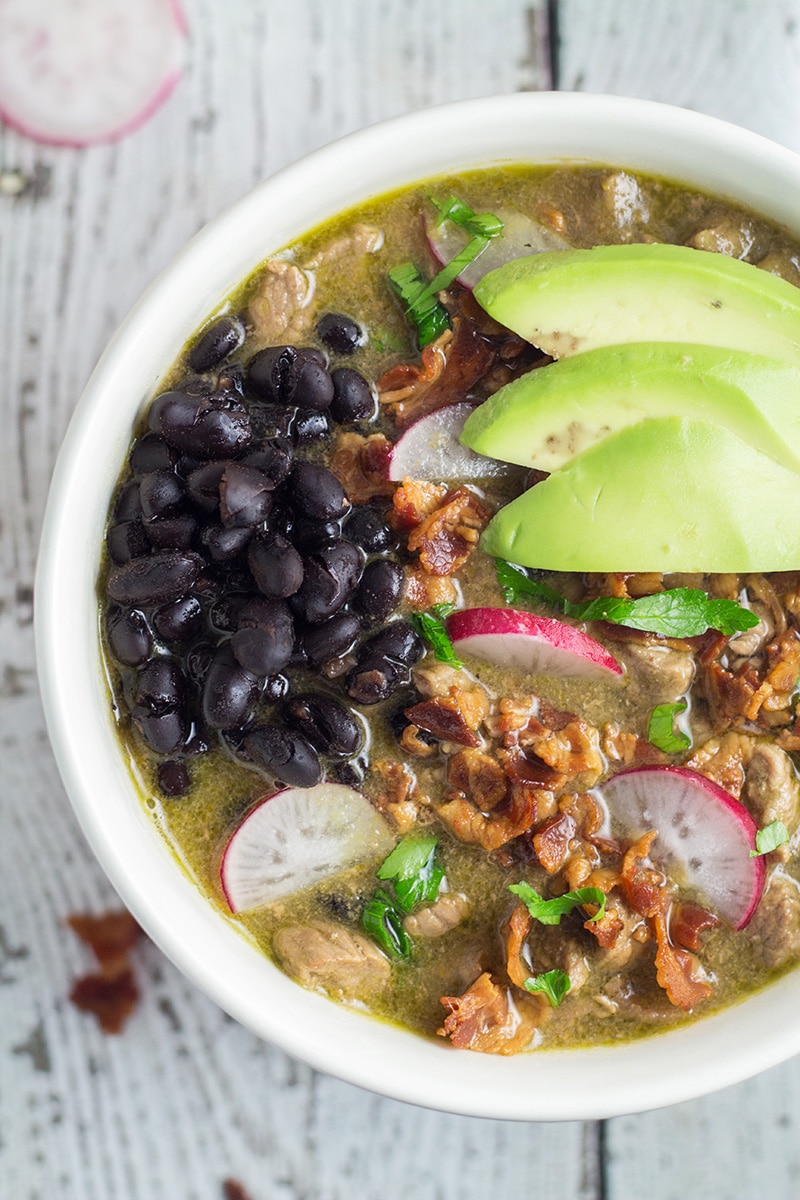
x: 479, y: 776
x: 724, y: 760
x: 400, y: 797
x: 573, y: 752
x: 551, y: 841
x: 413, y: 501
x: 446, y: 538
x: 233, y: 1190
x: 515, y: 816
x: 450, y: 366
x: 444, y: 718
x: 687, y: 921
x: 676, y: 970
x: 485, y: 1019
x: 643, y: 886
x: 112, y: 994
x: 361, y: 464
x: 729, y: 696
x: 516, y: 930
x: 424, y: 591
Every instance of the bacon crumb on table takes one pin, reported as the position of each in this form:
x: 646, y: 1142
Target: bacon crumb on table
x: 112, y: 994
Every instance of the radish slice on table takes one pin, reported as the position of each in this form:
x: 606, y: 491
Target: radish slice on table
x: 522, y: 235
x: 704, y: 836
x: 510, y: 637
x: 75, y: 72
x: 298, y: 837
x: 430, y: 449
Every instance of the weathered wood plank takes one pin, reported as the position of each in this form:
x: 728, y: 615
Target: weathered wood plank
x: 740, y: 60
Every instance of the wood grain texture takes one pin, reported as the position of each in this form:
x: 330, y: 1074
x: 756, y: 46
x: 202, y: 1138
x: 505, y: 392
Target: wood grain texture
x: 185, y: 1097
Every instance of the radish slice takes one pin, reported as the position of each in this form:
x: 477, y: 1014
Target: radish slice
x: 521, y: 235
x: 510, y: 637
x: 297, y: 837
x: 430, y: 449
x: 704, y: 835
x: 76, y: 72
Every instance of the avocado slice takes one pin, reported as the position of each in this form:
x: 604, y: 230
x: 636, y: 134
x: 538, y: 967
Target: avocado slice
x: 670, y: 494
x: 568, y: 301
x: 545, y: 418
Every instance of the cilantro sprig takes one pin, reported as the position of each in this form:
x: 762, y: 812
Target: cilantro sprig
x: 770, y: 838
x: 421, y: 299
x: 414, y: 876
x: 550, y: 912
x: 678, y: 613
x: 555, y: 984
x: 661, y: 731
x: 430, y: 626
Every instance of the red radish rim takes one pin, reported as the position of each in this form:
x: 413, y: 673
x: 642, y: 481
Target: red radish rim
x: 549, y: 629
x: 159, y: 97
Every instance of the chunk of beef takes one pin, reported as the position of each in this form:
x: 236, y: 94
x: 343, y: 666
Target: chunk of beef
x: 657, y: 672
x: 436, y: 919
x: 771, y: 790
x: 775, y: 927
x: 280, y: 310
x: 729, y: 236
x: 325, y: 955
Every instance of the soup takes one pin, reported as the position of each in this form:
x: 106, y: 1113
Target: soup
x: 488, y: 802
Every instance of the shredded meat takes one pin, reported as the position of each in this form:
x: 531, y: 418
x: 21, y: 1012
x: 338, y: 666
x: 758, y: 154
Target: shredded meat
x: 436, y: 919
x: 449, y: 367
x: 327, y: 955
x: 730, y: 237
x: 515, y: 816
x: 447, y: 536
x: 362, y: 239
x: 361, y: 464
x: 488, y: 1020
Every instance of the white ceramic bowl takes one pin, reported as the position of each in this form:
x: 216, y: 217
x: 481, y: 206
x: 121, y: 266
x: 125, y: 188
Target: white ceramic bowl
x: 552, y: 1085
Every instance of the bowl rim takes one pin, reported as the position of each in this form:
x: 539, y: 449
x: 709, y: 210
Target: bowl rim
x: 597, y: 1082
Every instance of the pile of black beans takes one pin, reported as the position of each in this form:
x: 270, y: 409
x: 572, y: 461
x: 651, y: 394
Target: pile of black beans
x: 247, y: 600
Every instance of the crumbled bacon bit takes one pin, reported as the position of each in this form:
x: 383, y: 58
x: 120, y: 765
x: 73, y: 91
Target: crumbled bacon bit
x: 446, y: 538
x: 516, y: 930
x: 414, y: 500
x: 485, y: 1020
x: 111, y: 1000
x: 643, y: 885
x: 232, y: 1190
x: 573, y: 752
x: 676, y: 970
x: 112, y: 994
x: 424, y: 591
x: 686, y: 923
x: 551, y: 841
x: 450, y: 366
x: 412, y: 743
x: 479, y: 776
x: 444, y: 717
x: 516, y: 815
x: 361, y: 464
x: 110, y: 937
x: 400, y: 798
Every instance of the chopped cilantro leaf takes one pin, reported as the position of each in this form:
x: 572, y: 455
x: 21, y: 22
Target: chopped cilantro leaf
x: 383, y: 921
x: 555, y: 984
x: 485, y: 225
x: 431, y: 627
x: 550, y: 912
x: 428, y: 314
x: 661, y: 732
x: 413, y: 870
x: 769, y: 838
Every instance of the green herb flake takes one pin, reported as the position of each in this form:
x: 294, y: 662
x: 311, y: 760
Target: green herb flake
x: 550, y: 912
x: 428, y: 313
x: 678, y: 613
x: 431, y: 627
x: 769, y: 838
x: 555, y: 984
x: 485, y: 225
x: 661, y: 732
x: 414, y: 871
x: 383, y: 921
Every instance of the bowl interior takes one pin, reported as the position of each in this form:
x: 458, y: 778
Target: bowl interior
x: 573, y: 1084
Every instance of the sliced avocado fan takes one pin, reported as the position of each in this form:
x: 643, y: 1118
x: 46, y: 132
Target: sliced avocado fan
x: 545, y: 418
x: 569, y: 301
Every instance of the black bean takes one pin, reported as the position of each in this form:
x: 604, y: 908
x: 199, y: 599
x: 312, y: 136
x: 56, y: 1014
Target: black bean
x: 163, y: 732
x: 398, y: 641
x: 216, y: 343
x: 353, y: 398
x: 230, y: 383
x: 309, y: 535
x: 196, y: 745
x: 264, y: 640
x: 268, y: 373
x: 276, y: 688
x: 179, y: 622
x: 202, y: 484
x: 225, y: 545
x: 380, y: 590
x: 151, y: 453
x: 126, y: 540
x: 281, y: 519
x: 331, y: 574
x: 351, y: 774
x: 275, y: 565
x: 155, y: 578
x: 340, y: 333
x: 198, y: 659
x: 286, y: 375
x: 274, y: 457
x: 368, y: 528
x: 271, y: 422
x: 315, y: 492
x: 224, y: 614
x: 309, y: 427
x: 195, y: 427
x: 245, y: 497
x: 285, y: 755
x: 129, y: 638
x: 229, y: 692
x: 172, y: 533
x: 375, y: 678
x: 331, y: 638
x: 173, y: 778
x: 327, y: 724
x: 159, y: 686
x: 127, y: 506
x: 311, y: 387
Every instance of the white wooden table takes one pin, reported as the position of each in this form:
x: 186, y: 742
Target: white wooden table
x: 185, y: 1098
